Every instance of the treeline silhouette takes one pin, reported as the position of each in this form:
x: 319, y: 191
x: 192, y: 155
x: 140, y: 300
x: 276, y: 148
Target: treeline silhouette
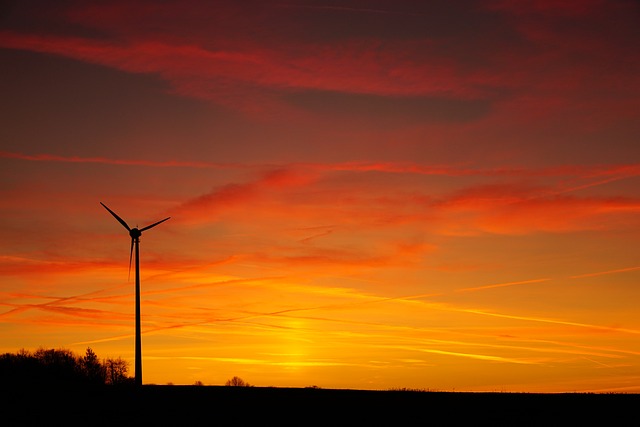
x: 61, y: 367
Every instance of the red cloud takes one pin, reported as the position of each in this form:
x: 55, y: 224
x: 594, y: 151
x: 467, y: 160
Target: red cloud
x: 204, y: 73
x: 229, y: 196
x: 524, y: 201
x: 522, y: 210
x: 540, y: 60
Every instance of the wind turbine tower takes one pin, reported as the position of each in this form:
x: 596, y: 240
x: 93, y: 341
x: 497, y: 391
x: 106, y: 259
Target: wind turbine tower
x: 135, y: 234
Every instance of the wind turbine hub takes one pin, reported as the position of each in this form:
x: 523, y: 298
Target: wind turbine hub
x: 135, y: 233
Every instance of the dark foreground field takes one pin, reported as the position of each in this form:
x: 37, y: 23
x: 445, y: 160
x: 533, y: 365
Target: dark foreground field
x: 255, y: 406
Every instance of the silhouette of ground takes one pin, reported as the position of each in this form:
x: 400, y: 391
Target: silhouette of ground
x: 256, y: 406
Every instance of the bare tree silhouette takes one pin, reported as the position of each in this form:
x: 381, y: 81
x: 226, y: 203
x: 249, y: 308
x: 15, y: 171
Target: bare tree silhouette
x: 116, y: 371
x: 237, y: 382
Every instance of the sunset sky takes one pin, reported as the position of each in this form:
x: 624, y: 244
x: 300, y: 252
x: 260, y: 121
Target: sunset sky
x: 370, y: 194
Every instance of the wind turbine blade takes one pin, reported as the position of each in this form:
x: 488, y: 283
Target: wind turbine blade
x: 130, y: 258
x: 120, y: 220
x: 153, y: 225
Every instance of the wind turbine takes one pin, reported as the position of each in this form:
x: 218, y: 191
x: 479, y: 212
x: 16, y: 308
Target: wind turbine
x: 135, y: 234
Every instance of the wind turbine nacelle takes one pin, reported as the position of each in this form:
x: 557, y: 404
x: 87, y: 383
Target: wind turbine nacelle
x: 135, y: 233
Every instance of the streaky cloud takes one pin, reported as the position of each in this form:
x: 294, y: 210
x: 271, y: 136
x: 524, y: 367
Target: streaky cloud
x: 613, y: 172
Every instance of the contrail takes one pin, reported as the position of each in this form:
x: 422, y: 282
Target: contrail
x: 56, y: 301
x: 500, y: 285
x: 602, y: 273
x: 467, y: 355
x: 544, y: 320
x: 350, y: 9
x: 614, y: 172
x: 122, y: 162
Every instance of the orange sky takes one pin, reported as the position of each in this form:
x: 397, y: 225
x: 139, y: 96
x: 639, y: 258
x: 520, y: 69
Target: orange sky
x: 365, y: 195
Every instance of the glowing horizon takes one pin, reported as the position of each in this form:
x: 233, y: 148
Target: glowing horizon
x: 361, y: 197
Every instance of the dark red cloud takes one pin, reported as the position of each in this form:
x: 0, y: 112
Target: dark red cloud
x: 443, y: 61
x: 519, y: 77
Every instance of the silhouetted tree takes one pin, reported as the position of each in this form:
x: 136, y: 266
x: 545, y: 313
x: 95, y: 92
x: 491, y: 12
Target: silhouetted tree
x: 18, y: 369
x: 237, y: 382
x: 116, y: 371
x: 60, y: 367
x: 93, y: 370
